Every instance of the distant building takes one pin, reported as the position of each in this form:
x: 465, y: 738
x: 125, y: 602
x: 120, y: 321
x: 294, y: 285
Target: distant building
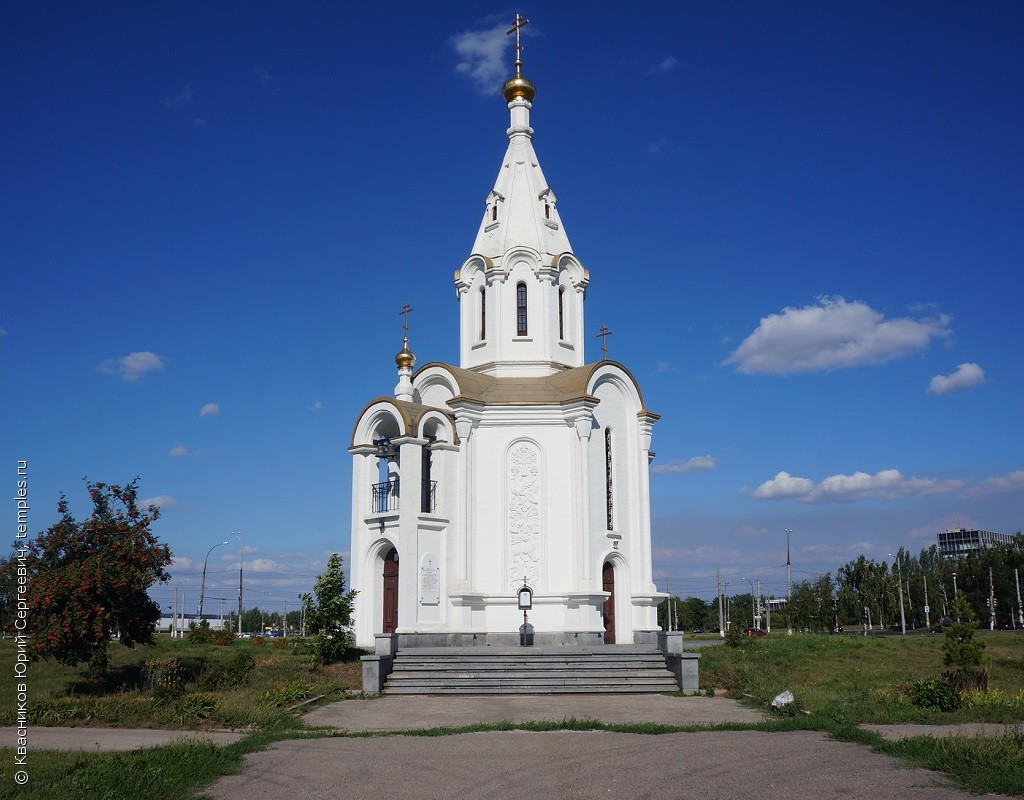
x: 959, y: 541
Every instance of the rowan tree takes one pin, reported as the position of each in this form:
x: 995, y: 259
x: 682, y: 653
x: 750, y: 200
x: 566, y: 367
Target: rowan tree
x: 88, y: 580
x: 329, y: 617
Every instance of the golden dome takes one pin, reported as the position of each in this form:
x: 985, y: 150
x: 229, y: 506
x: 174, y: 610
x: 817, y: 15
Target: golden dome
x: 519, y: 87
x: 405, y: 357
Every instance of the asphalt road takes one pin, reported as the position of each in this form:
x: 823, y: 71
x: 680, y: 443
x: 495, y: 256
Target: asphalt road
x: 723, y: 765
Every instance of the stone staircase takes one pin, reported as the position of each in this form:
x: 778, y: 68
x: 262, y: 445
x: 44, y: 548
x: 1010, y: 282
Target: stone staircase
x: 530, y: 670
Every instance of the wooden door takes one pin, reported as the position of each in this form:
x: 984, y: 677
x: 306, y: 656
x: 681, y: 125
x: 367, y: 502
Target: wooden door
x: 391, y: 592
x: 608, y: 584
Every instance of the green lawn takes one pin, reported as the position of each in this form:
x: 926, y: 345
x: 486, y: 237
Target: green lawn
x: 838, y: 682
x: 854, y: 679
x: 267, y: 677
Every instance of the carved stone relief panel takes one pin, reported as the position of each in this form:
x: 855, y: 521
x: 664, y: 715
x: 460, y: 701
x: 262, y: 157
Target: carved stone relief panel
x: 523, y: 515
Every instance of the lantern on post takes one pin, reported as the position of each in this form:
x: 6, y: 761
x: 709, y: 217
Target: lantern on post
x: 525, y: 604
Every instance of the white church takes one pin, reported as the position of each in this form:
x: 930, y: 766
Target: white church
x: 523, y: 464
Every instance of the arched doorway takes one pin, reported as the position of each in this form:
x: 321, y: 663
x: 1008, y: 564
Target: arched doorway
x: 391, y: 592
x: 608, y: 584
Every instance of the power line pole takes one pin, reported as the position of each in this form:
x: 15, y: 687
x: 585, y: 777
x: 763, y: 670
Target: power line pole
x: 927, y: 618
x: 721, y: 615
x: 241, y: 560
x: 991, y: 602
x: 789, y: 589
x: 1020, y: 609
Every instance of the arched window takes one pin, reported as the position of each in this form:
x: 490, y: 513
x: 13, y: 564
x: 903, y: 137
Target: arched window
x: 608, y: 477
x: 521, y: 328
x: 561, y: 313
x: 483, y: 313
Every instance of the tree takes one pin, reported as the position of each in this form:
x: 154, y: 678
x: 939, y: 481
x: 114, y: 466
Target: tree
x: 88, y: 581
x: 329, y: 618
x: 962, y: 651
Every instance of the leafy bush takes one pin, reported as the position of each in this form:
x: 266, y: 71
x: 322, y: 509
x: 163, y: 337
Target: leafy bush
x: 733, y: 637
x: 258, y: 641
x: 287, y: 694
x: 994, y: 698
x: 163, y: 675
x: 199, y: 634
x: 224, y: 637
x: 233, y: 671
x: 192, y: 707
x: 938, y: 694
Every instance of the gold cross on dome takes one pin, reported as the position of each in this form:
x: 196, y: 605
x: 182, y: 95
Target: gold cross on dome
x: 405, y: 312
x: 519, y: 23
x: 603, y: 335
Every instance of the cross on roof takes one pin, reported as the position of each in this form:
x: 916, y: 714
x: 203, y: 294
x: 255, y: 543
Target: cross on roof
x: 405, y: 312
x: 603, y: 335
x: 519, y: 23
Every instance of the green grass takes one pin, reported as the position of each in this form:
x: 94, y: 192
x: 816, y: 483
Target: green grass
x: 984, y: 764
x: 61, y: 696
x: 855, y: 680
x: 841, y: 681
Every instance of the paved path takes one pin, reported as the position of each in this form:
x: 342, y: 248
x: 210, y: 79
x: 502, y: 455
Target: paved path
x: 414, y: 712
x: 894, y: 732
x: 722, y: 765
x: 97, y: 739
x: 730, y: 765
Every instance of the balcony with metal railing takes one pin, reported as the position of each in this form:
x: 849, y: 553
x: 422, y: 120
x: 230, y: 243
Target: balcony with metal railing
x: 384, y: 496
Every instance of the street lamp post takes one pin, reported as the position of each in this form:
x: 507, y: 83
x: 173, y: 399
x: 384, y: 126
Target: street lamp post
x: 899, y: 574
x: 176, y: 622
x: 789, y: 589
x: 241, y: 560
x: 753, y: 604
x: 202, y: 585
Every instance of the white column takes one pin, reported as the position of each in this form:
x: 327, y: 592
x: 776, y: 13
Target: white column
x: 464, y: 427
x: 584, y: 427
x: 410, y: 466
x: 647, y: 421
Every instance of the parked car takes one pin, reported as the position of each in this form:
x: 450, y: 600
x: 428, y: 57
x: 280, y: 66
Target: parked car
x: 697, y: 630
x: 753, y: 632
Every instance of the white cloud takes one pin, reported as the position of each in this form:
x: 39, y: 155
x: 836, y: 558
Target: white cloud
x: 832, y: 334
x: 695, y: 464
x: 209, y: 410
x: 783, y: 485
x: 133, y: 366
x: 483, y: 57
x: 888, y: 484
x: 180, y: 451
x: 262, y: 565
x: 665, y: 366
x: 667, y: 64
x: 163, y: 501
x: 179, y: 100
x: 966, y: 376
x: 655, y: 148
x: 1010, y: 482
x: 316, y: 405
x: 199, y: 122
x: 184, y: 564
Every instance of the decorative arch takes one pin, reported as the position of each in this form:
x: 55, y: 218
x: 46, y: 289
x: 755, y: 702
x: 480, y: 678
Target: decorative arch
x: 620, y: 603
x: 381, y: 418
x: 373, y: 564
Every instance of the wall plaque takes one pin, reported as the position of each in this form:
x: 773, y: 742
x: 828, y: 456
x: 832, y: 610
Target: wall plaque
x: 430, y: 581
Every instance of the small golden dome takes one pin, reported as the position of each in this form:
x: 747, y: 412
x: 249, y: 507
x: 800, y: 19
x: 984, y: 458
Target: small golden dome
x: 405, y: 357
x: 519, y: 87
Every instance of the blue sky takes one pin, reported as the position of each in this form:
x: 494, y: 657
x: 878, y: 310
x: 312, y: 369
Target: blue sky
x: 803, y: 223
